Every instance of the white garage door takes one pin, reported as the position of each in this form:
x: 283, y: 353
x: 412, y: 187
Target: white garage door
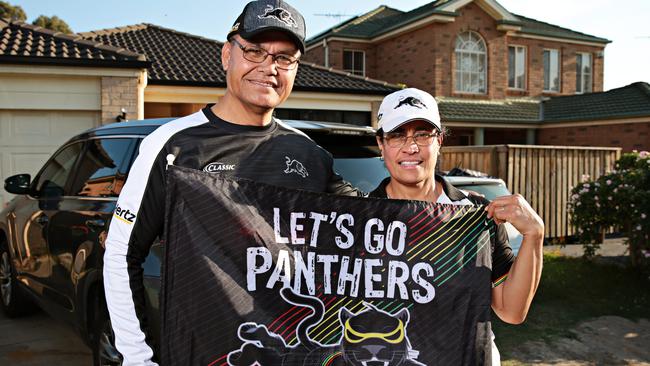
x: 29, y: 137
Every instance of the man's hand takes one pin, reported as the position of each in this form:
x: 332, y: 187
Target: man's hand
x: 516, y: 210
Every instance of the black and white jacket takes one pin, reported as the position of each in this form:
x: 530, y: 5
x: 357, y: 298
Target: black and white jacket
x: 274, y: 154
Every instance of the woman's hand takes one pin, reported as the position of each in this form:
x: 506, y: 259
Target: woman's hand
x: 516, y: 210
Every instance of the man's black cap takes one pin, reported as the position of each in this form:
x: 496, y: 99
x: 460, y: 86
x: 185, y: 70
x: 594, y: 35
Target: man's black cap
x: 264, y: 15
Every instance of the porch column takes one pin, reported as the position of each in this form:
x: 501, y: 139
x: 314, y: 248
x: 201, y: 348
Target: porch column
x: 479, y: 136
x: 531, y: 135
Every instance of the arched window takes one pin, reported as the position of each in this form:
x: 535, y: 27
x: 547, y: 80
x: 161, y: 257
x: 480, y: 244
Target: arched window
x: 471, y: 63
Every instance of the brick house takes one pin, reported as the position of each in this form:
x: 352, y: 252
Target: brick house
x: 186, y: 73
x: 476, y: 58
x: 53, y: 86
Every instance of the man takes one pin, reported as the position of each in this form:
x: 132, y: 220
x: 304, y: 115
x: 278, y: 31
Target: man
x: 410, y: 136
x: 237, y: 137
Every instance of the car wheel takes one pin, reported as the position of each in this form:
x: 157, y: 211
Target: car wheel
x: 14, y: 299
x: 104, y: 351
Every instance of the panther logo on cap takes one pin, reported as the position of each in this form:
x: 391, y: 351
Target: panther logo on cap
x: 280, y: 14
x: 412, y: 101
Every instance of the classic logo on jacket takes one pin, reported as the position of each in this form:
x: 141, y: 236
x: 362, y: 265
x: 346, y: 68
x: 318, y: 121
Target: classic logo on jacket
x: 124, y: 215
x: 294, y: 166
x: 280, y: 14
x: 217, y: 167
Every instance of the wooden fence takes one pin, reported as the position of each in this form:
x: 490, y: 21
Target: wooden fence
x: 544, y: 175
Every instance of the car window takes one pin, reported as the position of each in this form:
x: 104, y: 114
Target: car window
x: 364, y: 173
x: 490, y: 191
x: 103, y: 169
x: 52, y: 179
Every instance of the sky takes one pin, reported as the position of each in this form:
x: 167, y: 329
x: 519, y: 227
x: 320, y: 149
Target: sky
x: 624, y: 22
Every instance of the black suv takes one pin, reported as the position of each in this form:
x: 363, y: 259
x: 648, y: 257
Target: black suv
x: 52, y: 233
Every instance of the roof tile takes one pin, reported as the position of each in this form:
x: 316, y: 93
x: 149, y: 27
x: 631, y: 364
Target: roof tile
x: 508, y: 110
x: 384, y: 19
x: 27, y: 43
x: 183, y: 59
x: 626, y: 102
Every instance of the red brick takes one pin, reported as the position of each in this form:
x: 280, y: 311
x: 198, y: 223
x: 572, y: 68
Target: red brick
x: 424, y: 58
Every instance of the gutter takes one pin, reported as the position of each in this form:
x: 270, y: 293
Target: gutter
x: 122, y: 64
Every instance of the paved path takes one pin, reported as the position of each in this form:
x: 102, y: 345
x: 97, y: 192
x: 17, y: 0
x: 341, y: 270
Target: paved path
x: 39, y: 340
x: 610, y: 248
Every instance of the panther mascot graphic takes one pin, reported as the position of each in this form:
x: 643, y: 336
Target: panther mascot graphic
x: 371, y: 337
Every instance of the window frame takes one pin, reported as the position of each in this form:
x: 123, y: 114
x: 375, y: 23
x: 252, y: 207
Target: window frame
x: 137, y: 140
x: 525, y: 68
x: 128, y: 161
x: 33, y: 185
x: 559, y: 70
x: 457, y: 72
x: 580, y: 75
x: 363, y: 57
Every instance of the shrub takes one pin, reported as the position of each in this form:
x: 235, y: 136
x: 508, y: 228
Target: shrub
x: 620, y: 198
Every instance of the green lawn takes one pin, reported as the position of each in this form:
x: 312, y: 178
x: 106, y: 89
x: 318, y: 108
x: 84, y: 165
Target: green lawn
x: 573, y: 290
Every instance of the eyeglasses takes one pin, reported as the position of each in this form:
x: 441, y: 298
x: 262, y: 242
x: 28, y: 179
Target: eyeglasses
x: 258, y: 55
x: 398, y: 139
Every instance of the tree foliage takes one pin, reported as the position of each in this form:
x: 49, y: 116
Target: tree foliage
x: 53, y: 23
x: 13, y: 12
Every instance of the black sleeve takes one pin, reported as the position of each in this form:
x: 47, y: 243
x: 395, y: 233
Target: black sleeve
x: 502, y: 256
x: 337, y: 185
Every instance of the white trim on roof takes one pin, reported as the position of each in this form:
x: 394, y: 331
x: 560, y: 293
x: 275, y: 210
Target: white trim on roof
x: 494, y: 9
x: 436, y: 18
x: 340, y: 39
x: 557, y: 39
x: 69, y: 70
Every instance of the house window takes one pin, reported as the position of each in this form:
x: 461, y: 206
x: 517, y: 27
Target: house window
x: 583, y: 73
x: 354, y: 62
x: 516, y: 67
x: 471, y: 63
x: 551, y: 70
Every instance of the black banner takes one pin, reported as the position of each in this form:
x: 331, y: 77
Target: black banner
x: 256, y: 274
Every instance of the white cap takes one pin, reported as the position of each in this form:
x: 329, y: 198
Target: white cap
x: 405, y: 106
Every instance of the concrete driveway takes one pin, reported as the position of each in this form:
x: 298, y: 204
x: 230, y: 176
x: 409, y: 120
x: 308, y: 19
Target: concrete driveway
x: 39, y: 340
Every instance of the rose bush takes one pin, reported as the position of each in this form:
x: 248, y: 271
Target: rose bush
x: 620, y: 199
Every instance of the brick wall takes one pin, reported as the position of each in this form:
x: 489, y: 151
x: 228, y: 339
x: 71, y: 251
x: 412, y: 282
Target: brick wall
x: 315, y: 55
x: 568, y: 58
x: 162, y: 110
x: 425, y: 58
x: 336, y: 49
x: 118, y: 93
x: 629, y: 136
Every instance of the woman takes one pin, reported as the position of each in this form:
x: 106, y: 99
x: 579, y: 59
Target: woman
x: 410, y: 136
